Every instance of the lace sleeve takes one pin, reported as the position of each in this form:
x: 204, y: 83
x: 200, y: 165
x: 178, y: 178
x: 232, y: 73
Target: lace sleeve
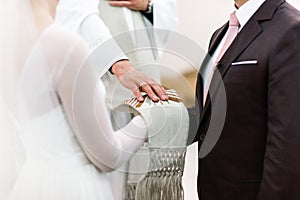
x: 83, y: 97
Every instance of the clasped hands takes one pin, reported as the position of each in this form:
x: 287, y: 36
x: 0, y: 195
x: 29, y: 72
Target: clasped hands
x: 138, y: 82
x: 138, y: 5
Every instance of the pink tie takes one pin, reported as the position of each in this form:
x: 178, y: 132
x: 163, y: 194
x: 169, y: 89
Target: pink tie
x: 231, y: 34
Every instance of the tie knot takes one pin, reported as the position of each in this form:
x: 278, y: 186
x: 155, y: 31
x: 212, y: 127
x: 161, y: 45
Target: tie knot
x: 233, y: 21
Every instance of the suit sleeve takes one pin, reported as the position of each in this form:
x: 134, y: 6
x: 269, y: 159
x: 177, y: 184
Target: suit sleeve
x: 281, y: 172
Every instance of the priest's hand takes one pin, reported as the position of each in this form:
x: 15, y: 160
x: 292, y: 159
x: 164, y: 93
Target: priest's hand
x: 138, y: 5
x: 138, y: 82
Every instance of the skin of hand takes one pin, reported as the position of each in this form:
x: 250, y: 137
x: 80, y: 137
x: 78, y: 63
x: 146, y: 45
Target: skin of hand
x: 239, y: 3
x: 138, y: 5
x: 138, y: 82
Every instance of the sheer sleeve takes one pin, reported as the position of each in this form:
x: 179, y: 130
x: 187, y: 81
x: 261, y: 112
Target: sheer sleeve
x: 83, y: 97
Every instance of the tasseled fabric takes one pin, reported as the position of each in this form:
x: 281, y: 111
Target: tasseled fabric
x: 163, y: 180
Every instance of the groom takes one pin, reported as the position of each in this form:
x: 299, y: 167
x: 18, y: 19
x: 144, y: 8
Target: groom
x: 257, y: 154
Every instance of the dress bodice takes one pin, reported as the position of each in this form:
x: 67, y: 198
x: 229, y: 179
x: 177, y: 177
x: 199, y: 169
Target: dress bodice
x: 50, y: 139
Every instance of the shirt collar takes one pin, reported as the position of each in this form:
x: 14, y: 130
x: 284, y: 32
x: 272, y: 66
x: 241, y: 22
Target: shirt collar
x: 246, y: 11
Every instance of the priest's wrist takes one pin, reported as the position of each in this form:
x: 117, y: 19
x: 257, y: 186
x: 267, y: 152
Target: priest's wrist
x: 121, y: 67
x: 149, y: 8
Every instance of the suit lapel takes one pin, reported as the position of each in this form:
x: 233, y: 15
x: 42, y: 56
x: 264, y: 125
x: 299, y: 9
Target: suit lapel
x: 216, y: 39
x: 241, y: 42
x: 220, y: 33
x: 248, y: 34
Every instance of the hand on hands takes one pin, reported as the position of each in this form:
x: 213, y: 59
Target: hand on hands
x: 138, y: 82
x: 138, y: 5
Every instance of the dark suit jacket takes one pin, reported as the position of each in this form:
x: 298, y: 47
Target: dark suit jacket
x: 257, y: 156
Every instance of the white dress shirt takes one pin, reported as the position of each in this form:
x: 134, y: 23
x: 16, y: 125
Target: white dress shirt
x: 244, y: 13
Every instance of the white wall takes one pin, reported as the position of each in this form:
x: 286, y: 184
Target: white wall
x: 295, y: 3
x: 198, y: 18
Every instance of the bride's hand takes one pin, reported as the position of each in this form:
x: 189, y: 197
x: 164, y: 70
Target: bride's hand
x: 138, y: 82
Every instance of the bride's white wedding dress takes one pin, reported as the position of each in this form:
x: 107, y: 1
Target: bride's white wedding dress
x: 56, y: 167
x: 58, y: 164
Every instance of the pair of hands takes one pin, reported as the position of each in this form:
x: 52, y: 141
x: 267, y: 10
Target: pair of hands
x: 138, y: 82
x: 138, y: 5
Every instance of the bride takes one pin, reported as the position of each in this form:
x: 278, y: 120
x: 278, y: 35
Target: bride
x: 60, y: 149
